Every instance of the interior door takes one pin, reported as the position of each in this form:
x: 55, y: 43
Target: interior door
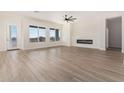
x: 12, y: 37
x: 115, y: 32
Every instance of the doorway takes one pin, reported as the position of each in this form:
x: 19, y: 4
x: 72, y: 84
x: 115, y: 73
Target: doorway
x: 12, y: 37
x: 114, y: 34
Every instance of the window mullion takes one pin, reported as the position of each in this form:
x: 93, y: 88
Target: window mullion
x: 38, y: 34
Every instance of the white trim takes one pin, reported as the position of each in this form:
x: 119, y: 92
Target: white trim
x: 122, y: 50
x: 7, y: 37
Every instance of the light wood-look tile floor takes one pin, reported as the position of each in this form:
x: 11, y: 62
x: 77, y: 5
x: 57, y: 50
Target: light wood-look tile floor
x: 66, y: 64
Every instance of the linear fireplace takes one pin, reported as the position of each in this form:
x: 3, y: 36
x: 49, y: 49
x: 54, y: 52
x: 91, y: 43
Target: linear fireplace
x: 84, y: 41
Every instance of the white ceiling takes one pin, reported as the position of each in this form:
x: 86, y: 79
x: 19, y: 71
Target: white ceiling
x: 57, y: 16
x: 46, y: 15
x: 54, y: 16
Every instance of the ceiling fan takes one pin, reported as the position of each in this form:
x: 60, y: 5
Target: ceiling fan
x: 69, y: 18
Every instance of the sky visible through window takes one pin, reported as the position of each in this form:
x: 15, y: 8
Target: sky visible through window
x: 33, y: 32
x: 52, y: 33
x: 42, y: 32
x: 13, y: 32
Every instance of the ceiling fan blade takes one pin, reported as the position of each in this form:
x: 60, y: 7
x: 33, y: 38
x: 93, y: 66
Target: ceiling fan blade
x: 73, y: 19
x: 70, y: 17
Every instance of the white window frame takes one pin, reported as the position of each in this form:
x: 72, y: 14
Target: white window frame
x: 55, y: 35
x: 38, y: 41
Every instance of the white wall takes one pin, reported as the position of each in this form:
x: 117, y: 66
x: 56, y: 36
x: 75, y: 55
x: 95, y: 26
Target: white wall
x: 102, y: 25
x: 2, y: 39
x: 66, y: 34
x: 6, y: 20
x: 91, y: 25
x: 85, y: 28
x: 123, y: 34
x: 22, y: 27
x: 31, y: 21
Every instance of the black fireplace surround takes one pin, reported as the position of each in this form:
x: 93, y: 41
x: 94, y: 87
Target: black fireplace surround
x: 84, y: 41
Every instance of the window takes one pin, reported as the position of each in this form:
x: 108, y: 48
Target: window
x: 42, y: 34
x: 37, y: 34
x: 33, y: 33
x: 57, y: 35
x: 54, y: 34
x: 13, y: 32
x: 13, y: 35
